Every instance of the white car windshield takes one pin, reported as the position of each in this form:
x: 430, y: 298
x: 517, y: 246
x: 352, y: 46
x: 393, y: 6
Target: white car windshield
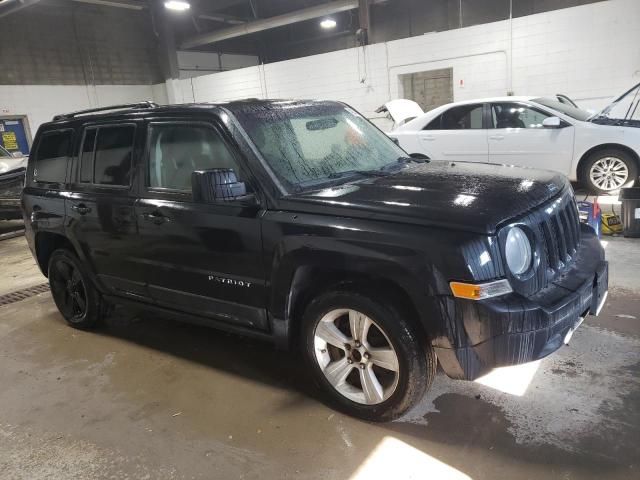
x: 569, y: 110
x: 311, y: 144
x: 4, y: 153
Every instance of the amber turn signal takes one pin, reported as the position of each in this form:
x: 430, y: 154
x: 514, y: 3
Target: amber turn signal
x: 479, y: 291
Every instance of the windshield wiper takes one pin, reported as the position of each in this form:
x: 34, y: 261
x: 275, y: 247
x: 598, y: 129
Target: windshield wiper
x: 364, y: 173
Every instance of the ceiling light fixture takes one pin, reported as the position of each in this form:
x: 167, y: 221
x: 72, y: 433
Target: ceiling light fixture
x: 178, y: 5
x: 328, y: 23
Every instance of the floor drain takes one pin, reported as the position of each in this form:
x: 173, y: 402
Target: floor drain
x: 19, y: 295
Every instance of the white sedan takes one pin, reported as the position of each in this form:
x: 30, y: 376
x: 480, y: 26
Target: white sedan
x: 601, y: 151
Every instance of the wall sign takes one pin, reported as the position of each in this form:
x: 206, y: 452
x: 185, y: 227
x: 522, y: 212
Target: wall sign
x: 10, y: 141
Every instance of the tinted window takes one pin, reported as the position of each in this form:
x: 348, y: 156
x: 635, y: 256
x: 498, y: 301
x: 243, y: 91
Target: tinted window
x: 516, y: 115
x: 464, y: 117
x: 52, y: 156
x: 86, y: 156
x: 178, y: 150
x: 434, y: 124
x: 112, y: 161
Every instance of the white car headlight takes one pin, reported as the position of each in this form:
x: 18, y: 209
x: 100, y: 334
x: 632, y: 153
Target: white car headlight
x: 517, y: 250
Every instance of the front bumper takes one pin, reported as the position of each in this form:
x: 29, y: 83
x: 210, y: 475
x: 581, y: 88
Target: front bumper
x: 512, y: 329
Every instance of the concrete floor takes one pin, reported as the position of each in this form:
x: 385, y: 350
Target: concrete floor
x: 150, y: 398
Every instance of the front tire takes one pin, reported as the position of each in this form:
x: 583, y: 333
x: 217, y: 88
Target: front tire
x: 73, y: 292
x: 607, y: 171
x: 367, y: 358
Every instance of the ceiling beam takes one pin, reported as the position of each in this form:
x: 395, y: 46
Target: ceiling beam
x: 223, y: 18
x: 334, y: 6
x: 113, y: 3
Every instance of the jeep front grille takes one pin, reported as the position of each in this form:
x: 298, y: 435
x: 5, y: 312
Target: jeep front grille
x: 561, y: 232
x: 556, y: 228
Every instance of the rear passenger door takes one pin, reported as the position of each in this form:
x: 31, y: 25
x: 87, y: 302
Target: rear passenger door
x: 44, y: 197
x: 459, y: 133
x: 200, y: 258
x: 100, y: 211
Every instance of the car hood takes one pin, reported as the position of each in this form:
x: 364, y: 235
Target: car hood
x: 11, y: 164
x: 401, y: 110
x: 475, y: 197
x: 622, y: 108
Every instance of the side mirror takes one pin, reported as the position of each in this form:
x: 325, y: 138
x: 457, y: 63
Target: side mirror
x: 17, y: 154
x: 551, y: 122
x: 217, y: 185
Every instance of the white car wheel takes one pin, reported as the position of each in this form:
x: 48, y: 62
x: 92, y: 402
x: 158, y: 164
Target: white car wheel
x: 609, y: 173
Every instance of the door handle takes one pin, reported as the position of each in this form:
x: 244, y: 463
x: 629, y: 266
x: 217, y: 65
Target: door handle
x: 496, y: 137
x: 428, y: 138
x: 155, y: 217
x: 81, y: 208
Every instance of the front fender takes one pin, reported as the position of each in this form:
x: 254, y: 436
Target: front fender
x: 412, y: 258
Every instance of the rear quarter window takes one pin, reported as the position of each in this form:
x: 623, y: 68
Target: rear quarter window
x: 52, y: 157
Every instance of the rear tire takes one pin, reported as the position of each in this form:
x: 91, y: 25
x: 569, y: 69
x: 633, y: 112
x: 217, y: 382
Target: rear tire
x: 376, y: 379
x: 76, y: 297
x: 608, y: 170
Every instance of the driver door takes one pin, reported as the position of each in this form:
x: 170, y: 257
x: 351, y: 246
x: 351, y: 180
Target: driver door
x: 517, y: 137
x: 199, y: 258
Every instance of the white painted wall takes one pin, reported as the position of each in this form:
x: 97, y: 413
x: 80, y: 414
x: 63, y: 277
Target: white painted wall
x: 41, y: 102
x: 591, y: 53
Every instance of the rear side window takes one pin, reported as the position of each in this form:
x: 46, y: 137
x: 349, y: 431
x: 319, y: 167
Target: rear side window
x: 106, y: 155
x: 434, y: 124
x: 52, y: 157
x: 465, y: 117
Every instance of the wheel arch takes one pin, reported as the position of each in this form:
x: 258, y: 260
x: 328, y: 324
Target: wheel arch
x: 45, y: 244
x: 604, y: 146
x: 307, y: 281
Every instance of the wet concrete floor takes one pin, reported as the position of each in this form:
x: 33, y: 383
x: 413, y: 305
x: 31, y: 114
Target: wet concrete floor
x: 152, y: 398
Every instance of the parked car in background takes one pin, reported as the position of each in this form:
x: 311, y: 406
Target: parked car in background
x: 600, y: 151
x: 12, y: 171
x: 300, y: 223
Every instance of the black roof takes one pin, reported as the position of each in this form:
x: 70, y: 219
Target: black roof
x: 135, y: 110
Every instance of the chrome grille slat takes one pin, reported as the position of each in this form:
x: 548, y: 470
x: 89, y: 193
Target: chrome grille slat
x: 566, y: 226
x: 575, y: 221
x: 562, y: 242
x: 551, y: 244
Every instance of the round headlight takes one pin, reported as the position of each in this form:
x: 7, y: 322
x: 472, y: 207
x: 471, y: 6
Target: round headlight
x: 518, y: 251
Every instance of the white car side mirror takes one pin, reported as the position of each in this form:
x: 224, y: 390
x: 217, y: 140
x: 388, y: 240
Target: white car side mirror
x: 17, y: 154
x: 551, y: 122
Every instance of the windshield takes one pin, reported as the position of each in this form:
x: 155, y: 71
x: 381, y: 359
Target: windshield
x: 4, y: 153
x: 569, y: 110
x: 311, y: 144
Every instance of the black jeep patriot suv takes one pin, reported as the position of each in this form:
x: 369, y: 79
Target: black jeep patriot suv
x: 302, y: 223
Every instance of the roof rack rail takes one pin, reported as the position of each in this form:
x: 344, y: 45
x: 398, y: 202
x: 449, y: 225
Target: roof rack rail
x: 124, y: 106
